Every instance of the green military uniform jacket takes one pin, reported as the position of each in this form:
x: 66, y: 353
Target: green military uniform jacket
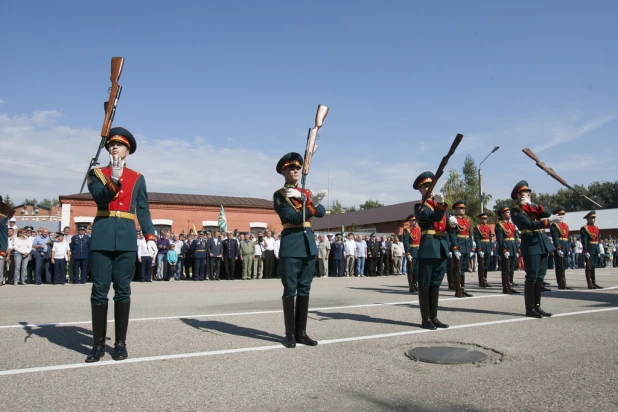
x: 247, y: 248
x: 461, y: 238
x: 432, y: 217
x: 506, y: 235
x: 4, y: 235
x: 482, y: 239
x: 590, y: 239
x: 296, y: 242
x: 560, y: 235
x: 408, y: 242
x: 117, y: 205
x: 530, y: 221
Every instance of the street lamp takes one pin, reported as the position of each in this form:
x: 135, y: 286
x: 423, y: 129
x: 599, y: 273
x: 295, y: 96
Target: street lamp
x: 481, y: 177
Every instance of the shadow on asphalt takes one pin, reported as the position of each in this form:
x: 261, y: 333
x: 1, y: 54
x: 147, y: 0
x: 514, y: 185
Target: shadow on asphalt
x: 392, y: 405
x: 231, y: 329
x: 602, y: 299
x: 361, y: 318
x: 69, y: 337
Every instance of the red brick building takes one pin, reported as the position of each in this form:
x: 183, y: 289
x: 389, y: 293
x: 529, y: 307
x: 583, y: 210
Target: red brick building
x: 178, y: 212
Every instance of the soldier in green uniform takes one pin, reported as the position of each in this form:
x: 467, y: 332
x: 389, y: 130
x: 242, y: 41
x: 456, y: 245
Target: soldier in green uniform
x: 560, y: 236
x: 411, y: 243
x: 507, y: 248
x: 482, y: 238
x: 433, y: 252
x: 590, y: 242
x: 297, y: 249
x: 532, y: 220
x: 120, y: 194
x: 461, y: 247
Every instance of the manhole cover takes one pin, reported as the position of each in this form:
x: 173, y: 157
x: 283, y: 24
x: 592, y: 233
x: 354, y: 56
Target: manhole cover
x: 446, y: 355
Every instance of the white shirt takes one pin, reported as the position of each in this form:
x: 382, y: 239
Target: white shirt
x: 601, y: 249
x: 60, y: 250
x: 277, y: 247
x: 397, y: 249
x: 22, y: 245
x: 578, y: 247
x: 142, y: 248
x: 178, y: 246
x: 259, y: 248
x: 350, y: 247
x: 269, y: 242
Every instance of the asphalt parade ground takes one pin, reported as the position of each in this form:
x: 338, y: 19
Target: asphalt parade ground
x: 214, y: 346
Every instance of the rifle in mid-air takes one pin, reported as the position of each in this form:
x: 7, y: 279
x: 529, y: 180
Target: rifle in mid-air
x: 553, y: 174
x: 443, y: 164
x: 310, y: 150
x: 110, y: 110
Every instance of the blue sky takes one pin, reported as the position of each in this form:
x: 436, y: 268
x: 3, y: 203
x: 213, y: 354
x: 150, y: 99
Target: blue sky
x: 216, y: 92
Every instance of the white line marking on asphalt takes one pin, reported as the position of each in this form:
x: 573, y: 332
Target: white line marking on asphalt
x: 262, y: 312
x: 272, y: 347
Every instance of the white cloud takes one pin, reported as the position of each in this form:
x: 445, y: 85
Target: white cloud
x: 2, y: 102
x: 50, y: 159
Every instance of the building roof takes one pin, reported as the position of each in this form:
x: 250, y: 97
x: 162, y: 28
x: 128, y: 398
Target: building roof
x: 192, y: 200
x: 606, y: 219
x: 392, y: 213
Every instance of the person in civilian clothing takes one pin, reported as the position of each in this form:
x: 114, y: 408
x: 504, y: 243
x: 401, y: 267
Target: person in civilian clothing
x: 361, y: 255
x: 80, y: 250
x: 231, y: 253
x: 349, y: 251
x: 144, y: 257
x: 6, y: 213
x: 247, y: 251
x: 215, y: 254
x: 172, y: 261
x: 323, y: 253
x: 22, y: 247
x: 269, y: 255
x: 41, y: 244
x: 163, y: 244
x: 61, y: 254
x: 258, y: 258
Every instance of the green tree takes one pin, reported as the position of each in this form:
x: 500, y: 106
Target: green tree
x: 30, y: 201
x: 336, y: 208
x: 453, y: 189
x: 465, y: 186
x: 370, y: 204
x: 349, y: 209
x: 9, y: 202
x: 353, y: 227
x: 49, y: 202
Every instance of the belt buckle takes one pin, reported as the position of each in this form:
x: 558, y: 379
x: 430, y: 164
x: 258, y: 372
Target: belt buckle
x: 117, y: 213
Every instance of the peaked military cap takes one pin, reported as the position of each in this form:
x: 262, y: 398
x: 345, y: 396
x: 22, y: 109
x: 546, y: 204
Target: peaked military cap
x: 521, y: 186
x: 289, y: 159
x: 502, y: 209
x: 592, y: 213
x: 560, y: 210
x: 121, y: 135
x: 459, y: 203
x: 59, y: 234
x: 411, y: 217
x: 200, y: 232
x: 83, y: 227
x: 373, y: 235
x: 481, y: 215
x: 423, y: 178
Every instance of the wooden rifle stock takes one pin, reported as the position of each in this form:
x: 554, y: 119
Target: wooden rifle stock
x: 442, y: 166
x: 110, y: 110
x: 553, y: 174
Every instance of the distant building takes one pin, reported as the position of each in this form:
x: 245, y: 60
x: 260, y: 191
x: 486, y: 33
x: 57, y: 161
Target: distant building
x: 607, y: 221
x: 182, y: 212
x: 38, y: 216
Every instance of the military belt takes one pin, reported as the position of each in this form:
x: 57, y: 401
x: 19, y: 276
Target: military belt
x: 594, y: 243
x: 564, y: 239
x: 433, y: 232
x: 115, y: 213
x: 484, y: 241
x: 414, y: 245
x: 291, y: 226
x: 509, y: 238
x: 463, y: 236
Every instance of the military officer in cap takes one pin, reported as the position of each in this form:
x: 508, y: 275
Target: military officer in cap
x: 433, y: 251
x: 532, y: 220
x: 411, y: 243
x: 6, y: 213
x: 507, y: 248
x: 120, y: 194
x: 560, y: 236
x: 482, y: 238
x: 200, y: 254
x: 297, y: 249
x: 80, y: 250
x: 461, y: 247
x: 590, y: 243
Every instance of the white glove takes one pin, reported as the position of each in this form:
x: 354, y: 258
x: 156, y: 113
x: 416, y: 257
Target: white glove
x: 507, y: 255
x: 481, y: 255
x: 409, y: 257
x: 117, y: 167
x: 452, y: 220
x: 292, y: 192
x: 517, y: 254
x: 450, y: 254
x: 438, y: 197
x: 458, y: 254
x: 152, y: 248
x: 556, y: 219
x: 560, y: 253
x: 319, y: 197
x: 587, y: 255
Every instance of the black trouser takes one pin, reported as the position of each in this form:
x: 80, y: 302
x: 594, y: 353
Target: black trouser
x: 215, y: 265
x: 188, y: 266
x: 60, y: 271
x: 384, y: 268
x: 338, y: 267
x: 371, y: 266
x: 199, y: 268
x: 230, y: 266
x: 145, y: 268
x: 269, y: 264
x: 80, y: 265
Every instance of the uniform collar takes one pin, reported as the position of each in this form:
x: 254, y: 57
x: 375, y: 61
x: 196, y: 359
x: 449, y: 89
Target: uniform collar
x: 290, y: 185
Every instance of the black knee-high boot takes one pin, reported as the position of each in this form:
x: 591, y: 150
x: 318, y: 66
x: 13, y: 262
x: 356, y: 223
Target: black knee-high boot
x: 121, y: 320
x: 537, y: 300
x: 423, y: 302
x: 434, y: 292
x: 288, y: 316
x: 302, y: 310
x: 99, y: 330
x: 529, y: 300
